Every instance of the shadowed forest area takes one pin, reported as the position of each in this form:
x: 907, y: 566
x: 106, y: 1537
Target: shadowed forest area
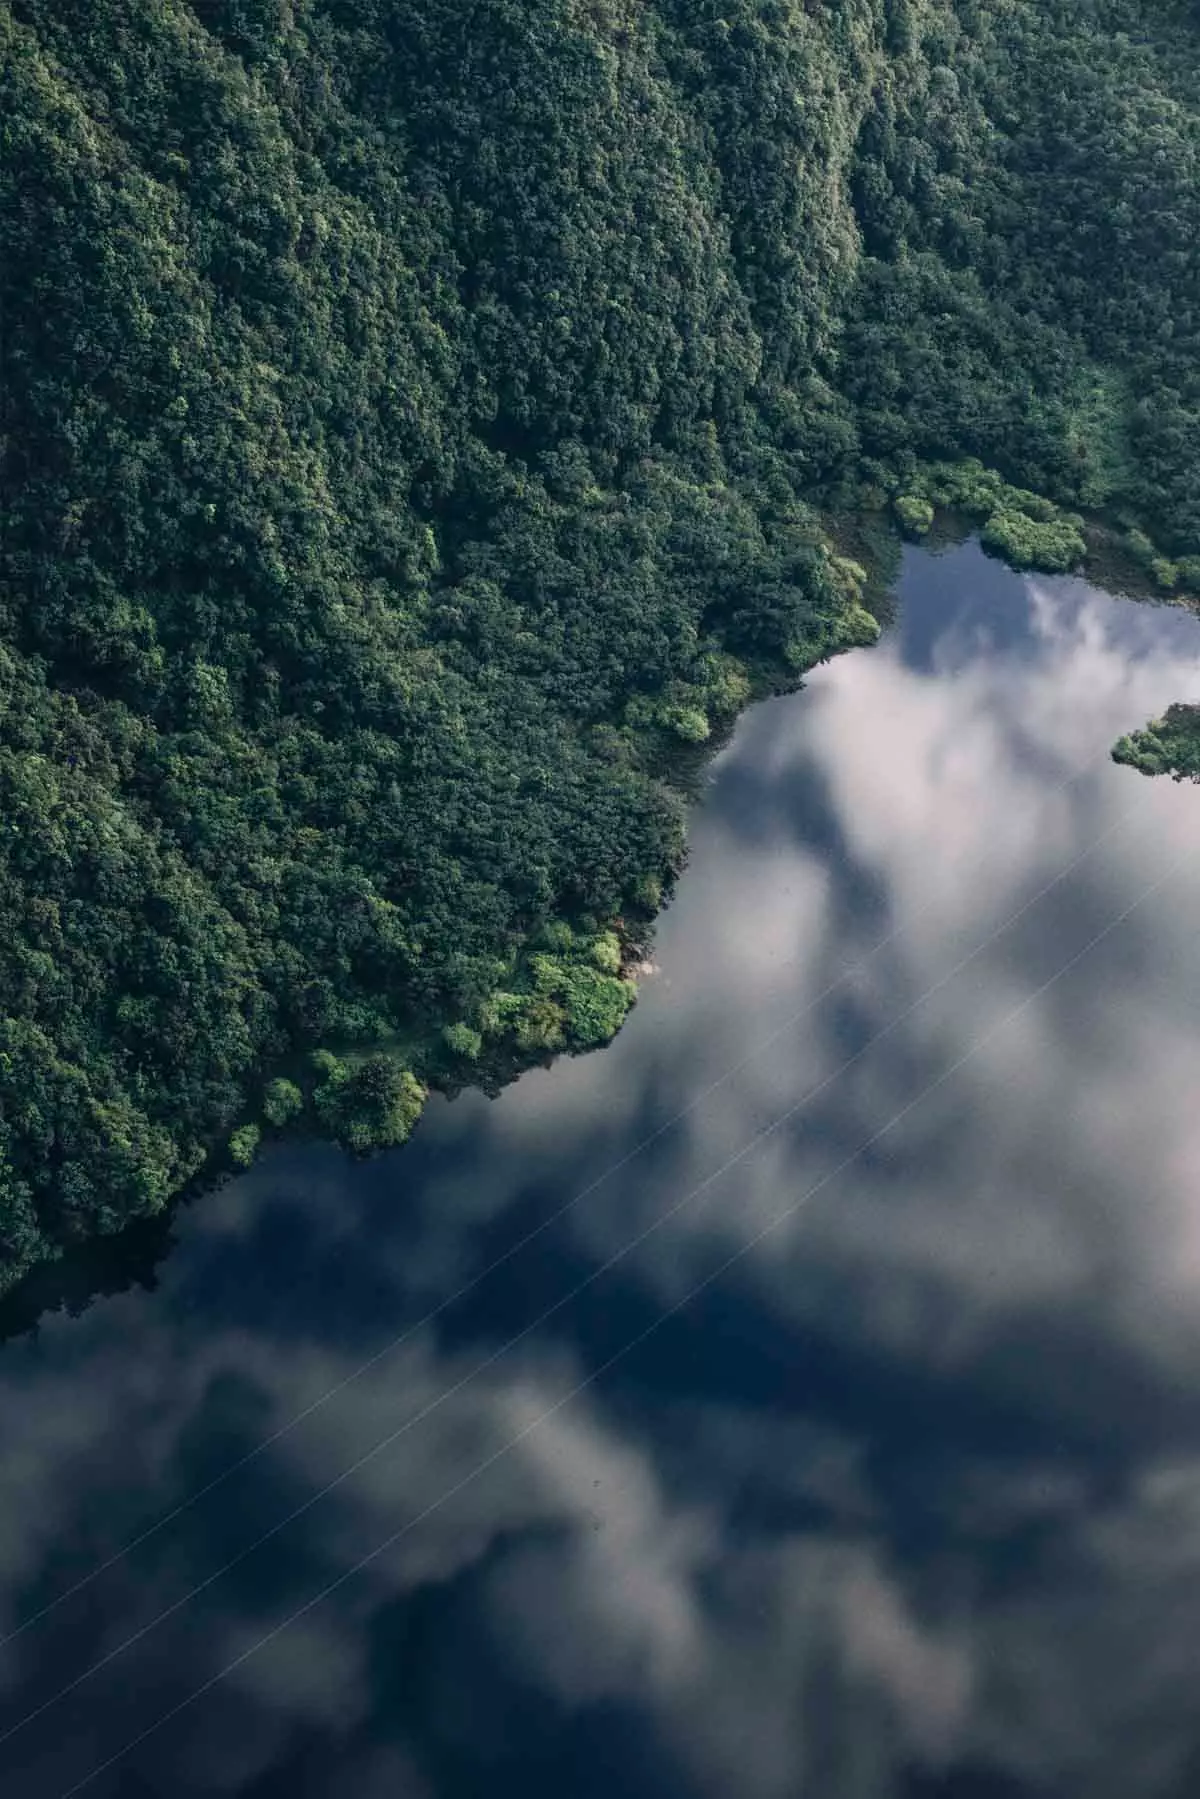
x: 425, y: 423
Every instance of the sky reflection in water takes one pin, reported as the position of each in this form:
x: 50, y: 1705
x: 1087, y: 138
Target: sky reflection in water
x: 904, y: 1504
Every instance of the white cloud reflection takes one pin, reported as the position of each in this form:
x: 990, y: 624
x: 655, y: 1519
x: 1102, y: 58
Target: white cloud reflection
x: 943, y: 1511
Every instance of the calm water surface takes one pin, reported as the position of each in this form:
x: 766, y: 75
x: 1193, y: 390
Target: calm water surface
x: 842, y: 1441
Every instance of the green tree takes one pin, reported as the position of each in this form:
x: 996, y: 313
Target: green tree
x: 282, y: 1101
x: 243, y: 1145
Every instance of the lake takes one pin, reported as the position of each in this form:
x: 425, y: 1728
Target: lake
x: 799, y: 1399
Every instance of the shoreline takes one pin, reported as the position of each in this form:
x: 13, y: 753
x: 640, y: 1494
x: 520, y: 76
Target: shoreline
x: 558, y: 962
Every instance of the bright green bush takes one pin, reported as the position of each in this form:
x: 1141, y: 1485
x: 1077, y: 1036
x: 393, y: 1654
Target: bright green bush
x: 541, y: 1025
x: 914, y: 513
x: 372, y: 1105
x: 282, y: 1101
x: 557, y: 937
x: 501, y: 1011
x: 605, y: 952
x: 726, y: 686
x: 327, y: 1067
x: 1055, y: 547
x: 647, y: 892
x: 596, y: 1005
x: 462, y: 1041
x: 243, y: 1144
x: 686, y: 722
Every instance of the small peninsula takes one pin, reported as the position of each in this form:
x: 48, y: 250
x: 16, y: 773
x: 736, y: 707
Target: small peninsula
x: 1167, y: 746
x: 426, y: 426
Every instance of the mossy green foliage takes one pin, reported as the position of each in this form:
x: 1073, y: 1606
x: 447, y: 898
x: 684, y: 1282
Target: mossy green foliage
x: 243, y: 1144
x: 718, y: 689
x: 1169, y: 577
x: 1054, y: 545
x: 282, y: 1102
x: 369, y: 1104
x: 1025, y: 529
x: 844, y: 624
x: 687, y: 722
x: 595, y: 1003
x: 462, y: 1041
x: 647, y: 893
x: 419, y: 417
x: 1167, y: 746
x: 605, y: 952
x: 972, y: 488
x: 569, y: 994
x: 915, y: 514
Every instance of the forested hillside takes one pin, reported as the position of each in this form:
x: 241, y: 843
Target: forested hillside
x: 423, y: 421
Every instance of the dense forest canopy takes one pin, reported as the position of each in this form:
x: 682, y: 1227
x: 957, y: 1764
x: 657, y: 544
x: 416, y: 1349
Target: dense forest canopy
x: 422, y: 420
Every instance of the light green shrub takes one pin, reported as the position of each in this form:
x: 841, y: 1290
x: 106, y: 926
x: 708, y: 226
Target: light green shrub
x: 243, y: 1144
x: 282, y: 1101
x: 605, y: 952
x: 462, y: 1041
x: 914, y: 513
x: 1056, y: 546
x: 688, y: 723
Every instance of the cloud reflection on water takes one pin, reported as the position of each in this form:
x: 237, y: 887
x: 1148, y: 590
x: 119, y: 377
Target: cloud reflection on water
x: 906, y: 1506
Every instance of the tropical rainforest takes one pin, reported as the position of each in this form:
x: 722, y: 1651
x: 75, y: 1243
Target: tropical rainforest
x: 426, y: 421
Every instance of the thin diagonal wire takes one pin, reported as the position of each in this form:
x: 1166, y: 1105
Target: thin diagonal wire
x: 476, y: 1280
x: 627, y: 1349
x: 565, y: 1299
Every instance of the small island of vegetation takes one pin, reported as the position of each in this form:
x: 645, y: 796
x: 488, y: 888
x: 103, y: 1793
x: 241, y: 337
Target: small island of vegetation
x: 425, y: 427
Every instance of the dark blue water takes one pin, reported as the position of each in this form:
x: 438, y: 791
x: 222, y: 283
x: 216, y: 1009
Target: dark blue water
x: 847, y: 1444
